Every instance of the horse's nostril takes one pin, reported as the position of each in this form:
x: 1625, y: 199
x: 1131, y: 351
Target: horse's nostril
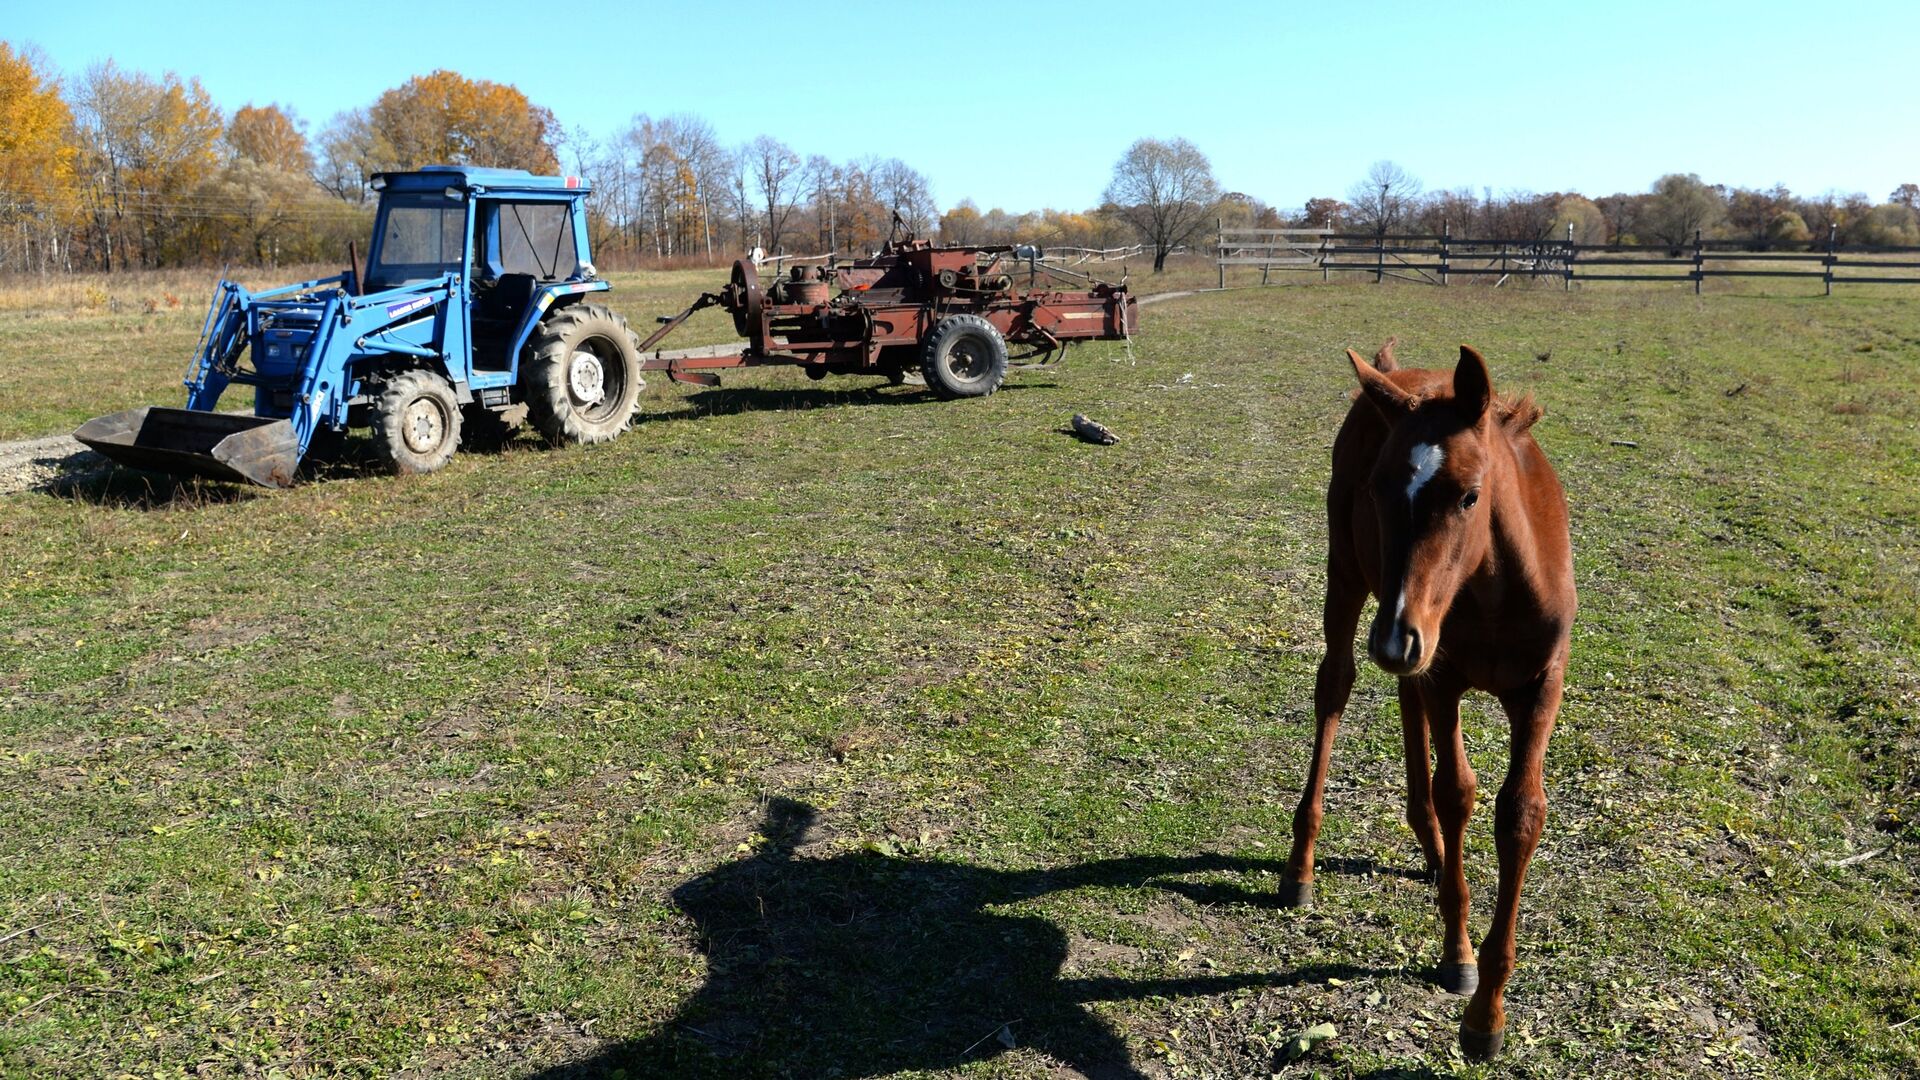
x: 1413, y: 647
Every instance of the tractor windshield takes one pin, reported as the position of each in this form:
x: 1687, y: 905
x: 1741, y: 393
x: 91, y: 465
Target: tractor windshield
x: 421, y: 237
x: 534, y: 238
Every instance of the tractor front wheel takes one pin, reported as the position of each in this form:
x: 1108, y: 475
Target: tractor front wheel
x: 581, y: 378
x: 964, y: 357
x: 416, y: 422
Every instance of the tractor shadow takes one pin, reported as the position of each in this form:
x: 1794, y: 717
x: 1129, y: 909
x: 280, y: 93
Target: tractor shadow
x: 724, y: 401
x: 99, y: 483
x: 84, y: 476
x: 866, y: 964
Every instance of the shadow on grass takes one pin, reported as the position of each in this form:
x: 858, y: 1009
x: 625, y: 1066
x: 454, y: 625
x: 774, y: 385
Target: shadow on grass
x: 866, y: 964
x: 115, y: 488
x: 87, y: 477
x: 723, y: 401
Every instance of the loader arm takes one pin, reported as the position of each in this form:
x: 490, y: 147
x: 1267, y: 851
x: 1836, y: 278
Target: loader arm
x: 309, y: 342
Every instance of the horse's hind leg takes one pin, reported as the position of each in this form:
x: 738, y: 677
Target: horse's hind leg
x: 1520, y: 812
x: 1420, y: 815
x: 1332, y: 686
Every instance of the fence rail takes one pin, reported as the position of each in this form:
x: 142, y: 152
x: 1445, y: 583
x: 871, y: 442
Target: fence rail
x: 1435, y: 258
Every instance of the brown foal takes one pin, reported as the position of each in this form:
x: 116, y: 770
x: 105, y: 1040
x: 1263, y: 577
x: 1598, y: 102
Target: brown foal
x: 1443, y: 507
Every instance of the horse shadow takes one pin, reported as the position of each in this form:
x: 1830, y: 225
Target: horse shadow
x: 866, y: 964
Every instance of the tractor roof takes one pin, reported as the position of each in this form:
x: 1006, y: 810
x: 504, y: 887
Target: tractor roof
x: 471, y: 177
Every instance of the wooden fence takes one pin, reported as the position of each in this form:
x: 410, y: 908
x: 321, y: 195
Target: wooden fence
x: 1437, y: 258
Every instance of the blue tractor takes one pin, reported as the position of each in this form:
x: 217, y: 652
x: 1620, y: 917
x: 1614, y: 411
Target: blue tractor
x: 474, y: 309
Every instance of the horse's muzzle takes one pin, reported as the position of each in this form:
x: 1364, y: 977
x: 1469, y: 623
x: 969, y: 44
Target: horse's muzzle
x: 1397, y: 646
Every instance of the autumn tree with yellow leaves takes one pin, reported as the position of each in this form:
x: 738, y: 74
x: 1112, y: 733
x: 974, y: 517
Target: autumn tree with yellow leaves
x: 36, y: 163
x: 146, y: 147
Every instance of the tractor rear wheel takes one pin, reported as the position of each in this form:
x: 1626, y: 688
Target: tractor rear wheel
x: 581, y: 378
x: 964, y: 357
x: 416, y: 421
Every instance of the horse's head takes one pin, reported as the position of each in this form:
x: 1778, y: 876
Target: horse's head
x: 1427, y: 489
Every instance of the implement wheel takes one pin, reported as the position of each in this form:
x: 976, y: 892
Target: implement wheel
x: 964, y: 357
x: 416, y: 422
x: 581, y: 378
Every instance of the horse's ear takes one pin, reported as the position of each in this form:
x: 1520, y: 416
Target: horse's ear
x: 1472, y: 386
x: 1388, y: 398
x: 1383, y: 360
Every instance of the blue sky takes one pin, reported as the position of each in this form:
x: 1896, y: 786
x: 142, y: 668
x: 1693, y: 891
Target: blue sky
x: 1024, y: 105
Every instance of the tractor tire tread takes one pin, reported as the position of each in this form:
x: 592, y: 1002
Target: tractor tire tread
x: 395, y: 392
x: 543, y: 375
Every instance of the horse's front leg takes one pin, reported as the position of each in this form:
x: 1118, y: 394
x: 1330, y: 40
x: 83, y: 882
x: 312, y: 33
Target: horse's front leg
x: 1420, y: 816
x: 1452, y: 793
x: 1520, y: 811
x: 1332, y: 686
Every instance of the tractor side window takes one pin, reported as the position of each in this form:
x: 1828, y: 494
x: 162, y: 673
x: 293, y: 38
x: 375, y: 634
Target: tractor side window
x: 534, y: 238
x: 423, y: 237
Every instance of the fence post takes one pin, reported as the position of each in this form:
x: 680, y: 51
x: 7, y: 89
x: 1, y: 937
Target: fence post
x: 1446, y: 234
x: 1567, y: 264
x: 1699, y: 262
x: 1833, y: 233
x: 1380, y: 257
x: 1220, y: 239
x: 1326, y: 247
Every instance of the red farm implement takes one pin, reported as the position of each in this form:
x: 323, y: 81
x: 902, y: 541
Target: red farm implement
x: 950, y: 312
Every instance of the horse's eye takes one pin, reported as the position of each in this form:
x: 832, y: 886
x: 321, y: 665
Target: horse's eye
x: 1467, y: 501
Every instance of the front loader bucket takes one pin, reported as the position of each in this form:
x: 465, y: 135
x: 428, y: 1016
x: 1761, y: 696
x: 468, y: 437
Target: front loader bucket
x: 185, y: 442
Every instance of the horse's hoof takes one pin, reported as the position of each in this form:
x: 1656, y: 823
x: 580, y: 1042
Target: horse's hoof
x: 1479, y: 1045
x: 1296, y: 894
x: 1461, y: 979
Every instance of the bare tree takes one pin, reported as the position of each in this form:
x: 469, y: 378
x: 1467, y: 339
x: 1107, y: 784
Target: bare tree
x: 776, y: 171
x: 351, y: 151
x: 740, y: 200
x: 692, y: 143
x: 1521, y: 216
x: 908, y: 193
x: 1386, y: 199
x: 821, y: 181
x: 1459, y: 212
x: 1166, y: 190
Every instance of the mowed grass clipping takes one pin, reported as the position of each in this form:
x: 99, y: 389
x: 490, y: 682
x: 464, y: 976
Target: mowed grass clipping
x: 821, y: 729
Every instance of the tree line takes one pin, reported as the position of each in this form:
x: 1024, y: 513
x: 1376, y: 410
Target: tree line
x: 1672, y: 212
x: 118, y: 169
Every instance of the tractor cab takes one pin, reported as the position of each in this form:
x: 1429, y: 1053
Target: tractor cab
x: 505, y: 233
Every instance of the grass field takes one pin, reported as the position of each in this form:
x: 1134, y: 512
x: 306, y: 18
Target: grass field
x: 824, y: 729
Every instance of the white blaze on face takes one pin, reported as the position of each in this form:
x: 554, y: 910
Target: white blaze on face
x: 1426, y: 460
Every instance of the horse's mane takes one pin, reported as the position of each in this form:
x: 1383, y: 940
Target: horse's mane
x: 1516, y: 414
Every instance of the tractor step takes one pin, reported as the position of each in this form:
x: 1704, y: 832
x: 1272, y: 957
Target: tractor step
x: 185, y: 442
